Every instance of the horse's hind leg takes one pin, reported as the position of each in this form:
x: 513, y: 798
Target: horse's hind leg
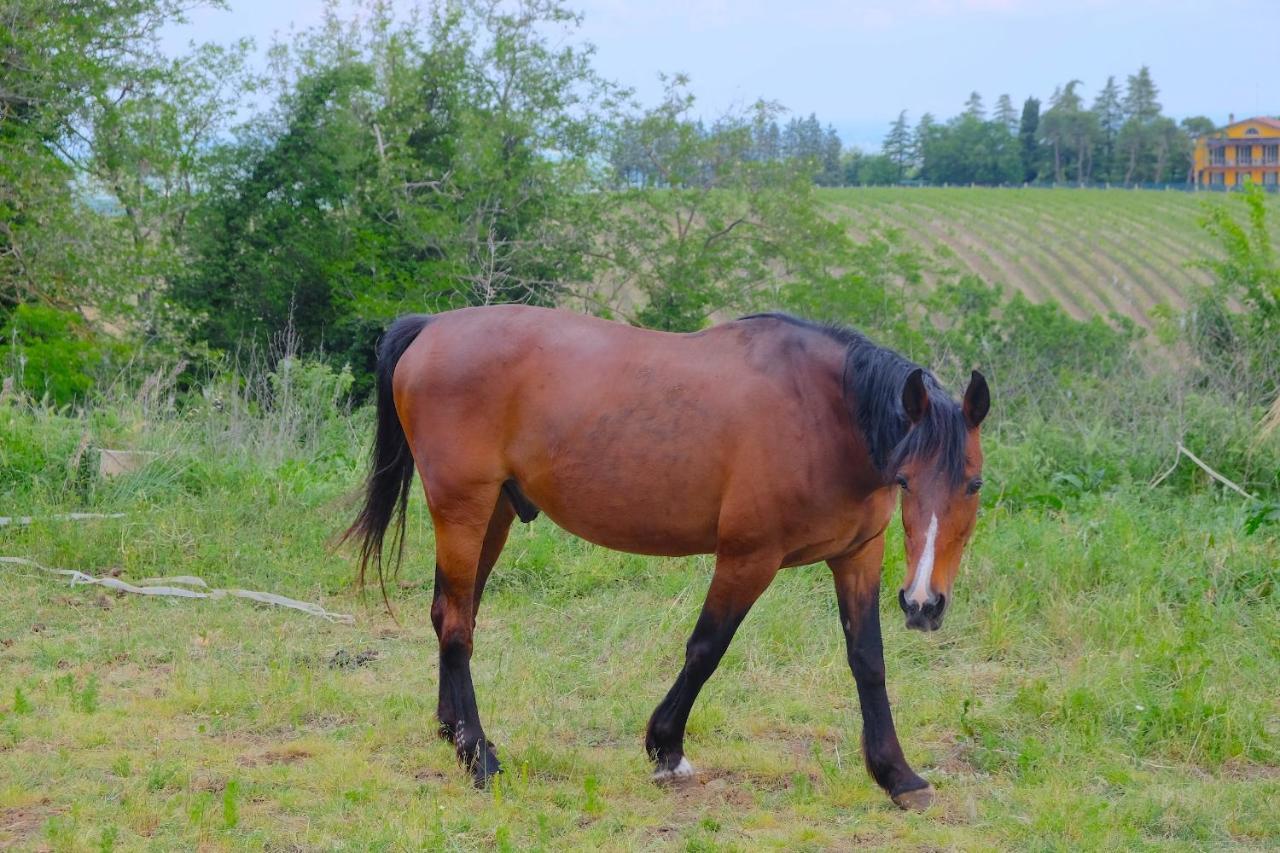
x: 857, y: 579
x: 737, y: 583
x: 461, y: 525
x: 495, y: 538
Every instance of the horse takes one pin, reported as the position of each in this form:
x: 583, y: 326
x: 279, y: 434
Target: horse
x: 769, y: 441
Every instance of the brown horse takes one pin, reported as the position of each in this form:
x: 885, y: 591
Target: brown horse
x: 769, y: 441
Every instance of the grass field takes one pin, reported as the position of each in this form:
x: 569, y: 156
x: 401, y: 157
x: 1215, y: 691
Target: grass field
x: 1093, y: 251
x: 1106, y: 678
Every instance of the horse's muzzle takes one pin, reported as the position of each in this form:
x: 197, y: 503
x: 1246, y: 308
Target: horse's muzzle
x: 923, y: 618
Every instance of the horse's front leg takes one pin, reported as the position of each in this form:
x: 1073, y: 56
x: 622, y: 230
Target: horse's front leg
x: 857, y: 579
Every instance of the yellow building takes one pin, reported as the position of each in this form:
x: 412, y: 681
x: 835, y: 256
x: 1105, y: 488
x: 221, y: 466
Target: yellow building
x: 1242, y: 151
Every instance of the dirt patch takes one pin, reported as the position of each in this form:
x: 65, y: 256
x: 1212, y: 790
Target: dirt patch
x: 719, y: 787
x: 282, y: 755
x: 21, y: 822
x: 1245, y: 772
x: 343, y: 659
x: 955, y: 759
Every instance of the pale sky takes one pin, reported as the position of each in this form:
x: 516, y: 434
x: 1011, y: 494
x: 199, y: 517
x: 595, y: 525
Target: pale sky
x: 857, y: 63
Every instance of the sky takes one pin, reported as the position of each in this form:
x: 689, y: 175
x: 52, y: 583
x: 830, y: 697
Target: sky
x: 857, y: 63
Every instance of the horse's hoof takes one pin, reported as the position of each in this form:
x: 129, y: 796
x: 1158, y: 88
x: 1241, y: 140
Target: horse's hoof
x: 484, y: 769
x: 915, y: 801
x: 483, y: 763
x: 681, y: 772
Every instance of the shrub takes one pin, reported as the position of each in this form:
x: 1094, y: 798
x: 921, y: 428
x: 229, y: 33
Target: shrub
x: 54, y: 353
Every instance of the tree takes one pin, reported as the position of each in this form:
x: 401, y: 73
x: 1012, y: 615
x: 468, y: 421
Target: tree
x: 726, y: 232
x: 420, y: 164
x: 897, y: 144
x: 969, y: 150
x: 1140, y: 97
x: 1243, y: 346
x: 1171, y: 145
x: 1110, y: 116
x: 1006, y: 114
x: 973, y: 107
x: 1069, y: 130
x: 1139, y: 138
x: 59, y: 58
x: 1028, y: 138
x: 922, y: 137
x: 154, y: 152
x: 1194, y: 127
x: 832, y: 172
x: 1054, y: 130
x: 869, y: 170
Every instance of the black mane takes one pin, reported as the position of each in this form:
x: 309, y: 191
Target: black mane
x: 874, y: 377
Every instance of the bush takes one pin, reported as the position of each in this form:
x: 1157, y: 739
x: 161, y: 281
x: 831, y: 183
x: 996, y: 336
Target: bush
x: 54, y: 353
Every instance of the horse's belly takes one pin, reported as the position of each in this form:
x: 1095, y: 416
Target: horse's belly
x: 643, y: 537
x: 641, y: 518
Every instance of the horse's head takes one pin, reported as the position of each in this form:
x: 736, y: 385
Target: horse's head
x: 939, y: 471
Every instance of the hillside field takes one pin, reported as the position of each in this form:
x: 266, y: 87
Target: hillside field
x: 1091, y: 250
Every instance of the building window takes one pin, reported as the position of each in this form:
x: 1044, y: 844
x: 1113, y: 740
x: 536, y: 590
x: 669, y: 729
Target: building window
x: 1253, y: 131
x: 1218, y: 157
x: 1270, y: 179
x: 1217, y: 179
x: 1270, y: 155
x: 1244, y: 155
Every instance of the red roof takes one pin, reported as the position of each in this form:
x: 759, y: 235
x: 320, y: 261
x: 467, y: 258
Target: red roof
x: 1264, y: 120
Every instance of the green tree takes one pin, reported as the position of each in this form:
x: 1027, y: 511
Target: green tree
x: 154, y: 153
x: 1069, y: 132
x: 921, y: 138
x: 1029, y: 139
x: 897, y: 144
x: 1005, y: 114
x: 1139, y: 138
x: 1242, y: 348
x: 1110, y: 116
x: 1193, y: 128
x: 723, y: 230
x: 406, y: 165
x: 973, y: 107
x: 877, y: 170
x: 58, y: 59
x: 969, y: 150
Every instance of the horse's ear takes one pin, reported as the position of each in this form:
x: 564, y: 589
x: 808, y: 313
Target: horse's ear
x: 977, y: 400
x: 915, y: 398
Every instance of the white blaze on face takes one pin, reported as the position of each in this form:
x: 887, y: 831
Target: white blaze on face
x: 919, y: 592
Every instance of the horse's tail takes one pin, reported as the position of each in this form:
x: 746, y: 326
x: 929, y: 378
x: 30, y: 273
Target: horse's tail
x: 386, y: 489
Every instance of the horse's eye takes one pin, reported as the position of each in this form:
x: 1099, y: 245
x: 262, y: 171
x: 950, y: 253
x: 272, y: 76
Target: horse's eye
x: 974, y: 486
x: 901, y: 480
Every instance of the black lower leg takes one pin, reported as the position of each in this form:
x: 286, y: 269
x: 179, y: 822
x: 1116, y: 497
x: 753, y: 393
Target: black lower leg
x: 664, y: 738
x: 458, y: 693
x: 446, y: 713
x: 880, y: 747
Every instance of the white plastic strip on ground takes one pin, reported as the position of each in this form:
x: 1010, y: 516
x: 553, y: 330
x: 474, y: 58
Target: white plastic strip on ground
x: 166, y: 587
x: 6, y: 520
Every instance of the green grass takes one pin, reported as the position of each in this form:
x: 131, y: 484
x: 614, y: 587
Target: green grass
x: 1093, y: 251
x: 1106, y: 678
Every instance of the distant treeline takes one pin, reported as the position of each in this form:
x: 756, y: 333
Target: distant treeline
x: 1121, y: 138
